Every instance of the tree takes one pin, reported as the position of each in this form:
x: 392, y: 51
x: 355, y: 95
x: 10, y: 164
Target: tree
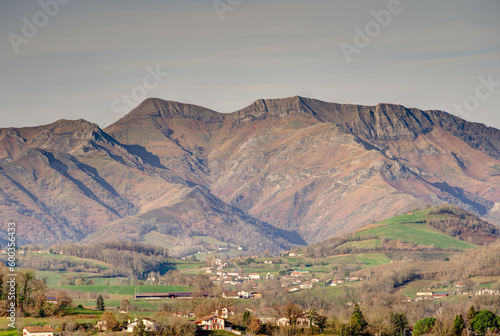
x: 109, y: 320
x: 140, y: 329
x: 471, y: 314
x: 292, y: 312
x: 399, y: 322
x: 340, y: 328
x: 458, y: 325
x: 62, y: 303
x: 255, y: 325
x: 423, y: 326
x: 358, y: 322
x: 483, y: 321
x: 246, y: 317
x: 312, y: 317
x: 27, y: 277
x: 202, y: 282
x: 125, y: 305
x: 99, y: 304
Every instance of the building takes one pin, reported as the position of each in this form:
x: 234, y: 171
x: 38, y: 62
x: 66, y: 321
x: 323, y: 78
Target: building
x: 212, y: 322
x: 230, y: 295
x: 171, y: 295
x: 306, y: 285
x: 223, y: 312
x: 439, y: 294
x: 298, y: 273
x: 38, y: 331
x: 283, y: 322
x: 487, y: 291
x: 243, y: 294
x: 187, y: 315
x: 254, y: 276
x: 267, y: 320
x: 255, y: 295
x: 52, y: 299
x: 149, y: 324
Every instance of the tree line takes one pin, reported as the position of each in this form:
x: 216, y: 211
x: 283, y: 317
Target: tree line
x: 127, y: 258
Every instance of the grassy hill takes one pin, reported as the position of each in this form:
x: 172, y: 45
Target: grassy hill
x: 441, y: 228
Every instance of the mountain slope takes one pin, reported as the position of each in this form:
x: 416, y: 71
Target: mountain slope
x: 323, y: 168
x: 294, y: 164
x: 70, y: 179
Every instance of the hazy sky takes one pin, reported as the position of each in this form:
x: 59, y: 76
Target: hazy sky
x: 93, y: 59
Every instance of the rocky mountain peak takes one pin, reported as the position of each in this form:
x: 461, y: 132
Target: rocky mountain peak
x: 158, y: 108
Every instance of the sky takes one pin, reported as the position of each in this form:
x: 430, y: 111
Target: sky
x: 97, y: 60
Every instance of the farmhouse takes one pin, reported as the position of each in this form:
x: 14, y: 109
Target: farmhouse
x: 187, y: 315
x: 255, y: 276
x: 210, y: 323
x: 223, y: 312
x: 486, y: 291
x: 306, y: 285
x: 38, y: 331
x: 243, y: 294
x: 230, y: 295
x: 298, y: 273
x: 149, y: 324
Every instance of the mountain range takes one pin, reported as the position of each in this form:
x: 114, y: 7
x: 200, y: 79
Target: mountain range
x: 276, y: 174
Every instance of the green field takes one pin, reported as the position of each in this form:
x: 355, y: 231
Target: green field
x: 360, y: 245
x: 95, y: 263
x: 127, y: 289
x: 417, y: 216
x: 170, y: 242
x: 373, y: 259
x: 153, y: 305
x: 326, y: 292
x: 416, y: 233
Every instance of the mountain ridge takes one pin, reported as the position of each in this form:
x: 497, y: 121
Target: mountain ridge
x: 296, y: 164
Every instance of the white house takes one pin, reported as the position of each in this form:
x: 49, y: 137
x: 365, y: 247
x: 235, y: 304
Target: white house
x: 38, y: 331
x: 223, y: 312
x: 283, y: 322
x: 306, y: 285
x: 269, y: 276
x: 149, y: 324
x: 254, y: 276
x: 243, y: 294
x: 210, y: 323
